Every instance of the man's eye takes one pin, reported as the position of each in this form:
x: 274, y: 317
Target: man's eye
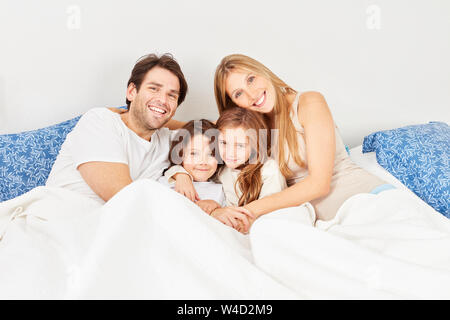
x: 173, y: 96
x: 240, y: 145
x: 153, y: 88
x: 222, y: 142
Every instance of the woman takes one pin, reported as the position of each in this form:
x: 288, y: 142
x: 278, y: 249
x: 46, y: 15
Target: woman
x: 312, y: 156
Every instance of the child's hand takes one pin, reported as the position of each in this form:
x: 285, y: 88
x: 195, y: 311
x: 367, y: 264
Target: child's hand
x: 208, y: 205
x: 235, y: 217
x: 185, y: 186
x: 242, y: 228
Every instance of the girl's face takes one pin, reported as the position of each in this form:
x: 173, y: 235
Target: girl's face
x: 198, y: 158
x: 234, y: 146
x: 250, y: 91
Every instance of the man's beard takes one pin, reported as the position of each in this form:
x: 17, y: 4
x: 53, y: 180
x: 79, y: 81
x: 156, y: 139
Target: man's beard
x: 141, y: 116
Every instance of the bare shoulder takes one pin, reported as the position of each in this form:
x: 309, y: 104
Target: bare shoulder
x: 312, y: 105
x: 308, y: 98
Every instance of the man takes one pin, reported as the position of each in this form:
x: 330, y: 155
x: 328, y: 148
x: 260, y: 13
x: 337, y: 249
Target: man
x: 107, y: 150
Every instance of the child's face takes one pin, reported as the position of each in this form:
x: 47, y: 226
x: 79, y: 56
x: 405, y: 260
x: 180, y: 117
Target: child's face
x: 198, y: 158
x: 234, y: 146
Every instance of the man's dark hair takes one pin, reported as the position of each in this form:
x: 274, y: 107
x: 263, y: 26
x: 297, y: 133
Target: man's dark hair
x: 166, y: 61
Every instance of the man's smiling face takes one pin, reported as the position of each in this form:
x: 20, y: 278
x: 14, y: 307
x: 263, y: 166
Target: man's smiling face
x: 156, y: 101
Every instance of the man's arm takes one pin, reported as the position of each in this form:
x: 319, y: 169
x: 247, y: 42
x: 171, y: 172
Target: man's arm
x: 105, y: 178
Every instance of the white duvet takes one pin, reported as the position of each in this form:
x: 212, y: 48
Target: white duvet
x: 149, y: 242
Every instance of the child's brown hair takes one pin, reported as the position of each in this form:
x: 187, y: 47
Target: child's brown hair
x: 184, y: 136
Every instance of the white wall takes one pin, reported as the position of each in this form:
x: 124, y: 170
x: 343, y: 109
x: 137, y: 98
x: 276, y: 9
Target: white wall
x: 380, y: 64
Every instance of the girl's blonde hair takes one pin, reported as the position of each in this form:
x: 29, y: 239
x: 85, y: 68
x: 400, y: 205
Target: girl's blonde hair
x: 287, y: 133
x: 249, y: 179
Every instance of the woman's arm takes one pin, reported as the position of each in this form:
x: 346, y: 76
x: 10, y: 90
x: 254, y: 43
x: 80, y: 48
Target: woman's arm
x: 183, y: 182
x: 173, y: 170
x: 316, y: 119
x: 174, y: 124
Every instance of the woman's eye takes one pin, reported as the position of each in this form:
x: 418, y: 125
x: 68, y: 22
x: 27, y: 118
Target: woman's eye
x: 222, y: 142
x: 237, y: 95
x: 251, y: 79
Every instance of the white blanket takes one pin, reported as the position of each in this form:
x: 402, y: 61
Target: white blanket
x: 43, y: 234
x: 149, y: 242
x: 385, y: 246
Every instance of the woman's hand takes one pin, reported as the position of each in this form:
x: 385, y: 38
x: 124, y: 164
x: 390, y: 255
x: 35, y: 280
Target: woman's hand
x: 235, y: 217
x: 117, y: 110
x: 185, y: 186
x: 208, y: 205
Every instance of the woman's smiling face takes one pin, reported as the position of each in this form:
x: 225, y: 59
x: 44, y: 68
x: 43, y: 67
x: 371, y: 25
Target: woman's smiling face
x: 234, y: 146
x: 198, y: 158
x: 250, y: 91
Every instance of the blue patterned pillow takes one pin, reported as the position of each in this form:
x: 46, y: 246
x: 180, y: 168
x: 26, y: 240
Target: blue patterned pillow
x: 26, y: 158
x: 418, y: 156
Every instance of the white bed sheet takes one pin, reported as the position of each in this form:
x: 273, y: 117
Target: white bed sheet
x: 368, y: 161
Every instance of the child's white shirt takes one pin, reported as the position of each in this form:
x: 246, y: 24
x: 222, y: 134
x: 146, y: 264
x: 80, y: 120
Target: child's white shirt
x: 273, y: 181
x: 207, y: 190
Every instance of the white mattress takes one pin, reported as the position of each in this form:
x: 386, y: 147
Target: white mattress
x: 369, y: 162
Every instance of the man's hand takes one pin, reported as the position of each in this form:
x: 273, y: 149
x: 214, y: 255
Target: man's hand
x: 185, y: 186
x: 236, y: 217
x: 208, y: 205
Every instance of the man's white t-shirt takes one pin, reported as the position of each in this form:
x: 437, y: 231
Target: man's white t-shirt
x: 101, y: 135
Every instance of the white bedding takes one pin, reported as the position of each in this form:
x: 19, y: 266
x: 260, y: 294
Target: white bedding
x: 149, y: 242
x: 368, y: 162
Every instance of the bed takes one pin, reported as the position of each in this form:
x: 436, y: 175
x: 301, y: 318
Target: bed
x: 149, y: 242
x: 369, y: 162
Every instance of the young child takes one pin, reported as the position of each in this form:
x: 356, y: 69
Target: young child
x: 193, y: 153
x: 249, y: 172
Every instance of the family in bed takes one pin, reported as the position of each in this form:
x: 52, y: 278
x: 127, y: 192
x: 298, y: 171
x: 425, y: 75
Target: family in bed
x: 231, y: 175
x: 265, y: 195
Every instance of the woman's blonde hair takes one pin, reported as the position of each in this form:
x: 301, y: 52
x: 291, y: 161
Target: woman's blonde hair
x: 249, y: 179
x: 282, y: 109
